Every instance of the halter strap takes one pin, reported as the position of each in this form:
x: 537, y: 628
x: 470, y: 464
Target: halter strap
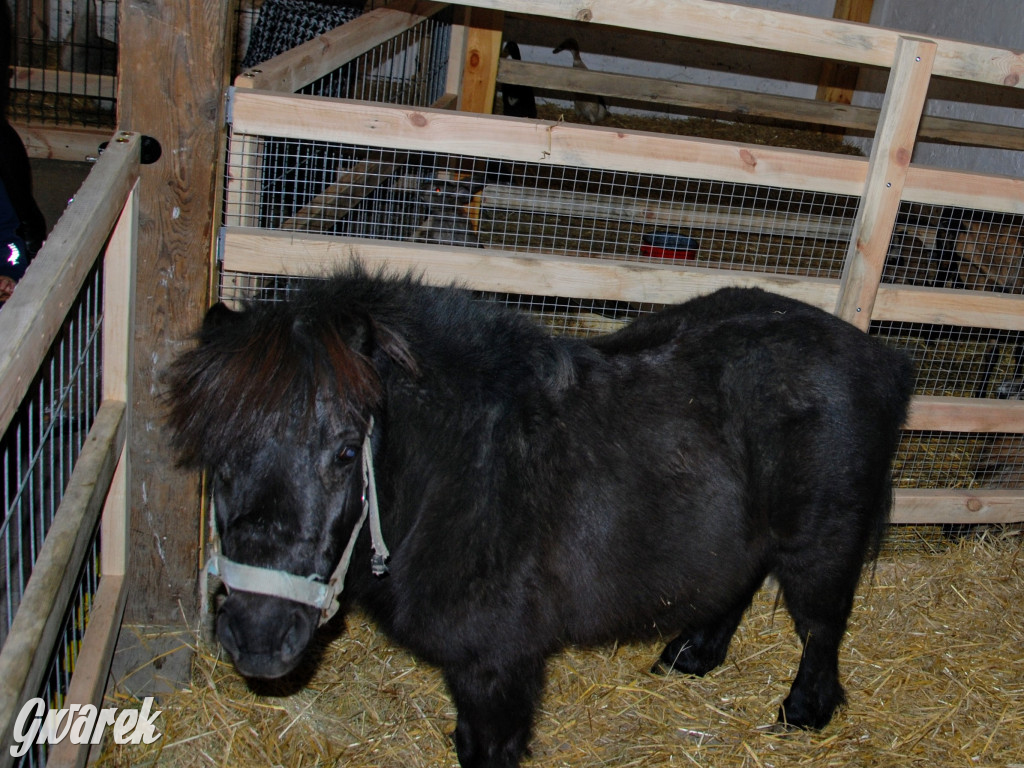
x: 308, y: 590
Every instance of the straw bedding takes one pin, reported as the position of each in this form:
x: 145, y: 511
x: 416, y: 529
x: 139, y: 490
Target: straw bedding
x: 933, y: 665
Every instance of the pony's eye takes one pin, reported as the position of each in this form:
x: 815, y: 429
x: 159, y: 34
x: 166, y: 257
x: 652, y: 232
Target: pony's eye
x: 347, y: 454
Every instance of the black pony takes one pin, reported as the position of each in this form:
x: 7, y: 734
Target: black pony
x: 538, y: 491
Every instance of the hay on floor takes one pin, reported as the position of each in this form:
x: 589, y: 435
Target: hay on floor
x: 933, y: 665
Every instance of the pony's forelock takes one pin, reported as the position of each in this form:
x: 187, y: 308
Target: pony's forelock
x: 245, y: 384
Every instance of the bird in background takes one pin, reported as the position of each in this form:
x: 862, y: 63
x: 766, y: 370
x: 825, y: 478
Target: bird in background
x: 591, y: 108
x: 516, y: 100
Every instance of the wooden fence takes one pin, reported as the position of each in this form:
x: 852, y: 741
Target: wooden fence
x: 263, y: 105
x: 99, y: 228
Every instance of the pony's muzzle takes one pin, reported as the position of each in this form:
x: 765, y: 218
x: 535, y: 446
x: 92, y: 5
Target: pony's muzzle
x: 265, y: 636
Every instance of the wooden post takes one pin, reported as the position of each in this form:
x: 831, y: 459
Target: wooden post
x: 838, y: 79
x: 887, y: 172
x: 97, y: 649
x: 483, y: 50
x: 173, y: 75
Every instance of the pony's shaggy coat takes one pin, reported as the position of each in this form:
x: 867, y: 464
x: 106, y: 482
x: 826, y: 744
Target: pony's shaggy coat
x: 538, y: 491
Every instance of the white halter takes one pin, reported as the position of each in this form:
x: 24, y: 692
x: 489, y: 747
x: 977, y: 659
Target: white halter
x: 308, y: 590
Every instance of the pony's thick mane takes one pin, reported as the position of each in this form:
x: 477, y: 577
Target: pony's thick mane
x: 259, y: 370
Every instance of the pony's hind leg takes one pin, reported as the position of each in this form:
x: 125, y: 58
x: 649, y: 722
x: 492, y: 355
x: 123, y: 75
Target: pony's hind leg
x: 820, y: 604
x: 495, y: 711
x: 697, y: 652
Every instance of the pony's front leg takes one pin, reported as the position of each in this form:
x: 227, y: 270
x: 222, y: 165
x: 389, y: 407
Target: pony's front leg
x: 495, y: 703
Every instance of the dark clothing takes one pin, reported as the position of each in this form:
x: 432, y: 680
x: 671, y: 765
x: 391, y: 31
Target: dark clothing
x: 14, y: 255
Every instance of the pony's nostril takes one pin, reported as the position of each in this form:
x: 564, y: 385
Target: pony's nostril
x: 226, y: 633
x: 296, y: 636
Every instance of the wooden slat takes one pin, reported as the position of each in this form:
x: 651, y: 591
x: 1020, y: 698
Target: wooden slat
x: 774, y: 30
x: 696, y: 216
x: 981, y: 506
x: 55, y: 276
x: 25, y: 658
x: 937, y: 186
x: 118, y: 301
x: 93, y: 663
x: 456, y: 55
x: 63, y: 82
x: 890, y: 157
x: 264, y: 251
x: 430, y: 130
x: 838, y: 80
x: 53, y: 143
x: 965, y: 414
x: 325, y: 53
x: 946, y: 306
x: 118, y: 354
x: 289, y: 253
x: 746, y: 103
x: 480, y: 65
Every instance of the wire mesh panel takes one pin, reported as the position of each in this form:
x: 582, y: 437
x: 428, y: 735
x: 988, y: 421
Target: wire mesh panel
x: 65, y: 654
x: 409, y: 69
x: 40, y: 447
x: 943, y: 246
x: 450, y: 199
x: 247, y: 16
x: 959, y: 361
x: 974, y: 460
x: 65, y: 58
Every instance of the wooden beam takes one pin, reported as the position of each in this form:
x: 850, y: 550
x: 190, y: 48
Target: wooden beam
x: 118, y: 362
x: 62, y: 82
x: 966, y: 414
x: 52, y: 143
x: 306, y: 63
x: 480, y: 67
x: 948, y: 306
x: 937, y: 186
x: 777, y: 31
x: 982, y: 506
x: 56, y: 274
x: 733, y: 101
x: 260, y: 113
x: 93, y: 663
x: 887, y: 170
x: 184, y: 42
x: 838, y: 80
x: 423, y: 129
x: 289, y: 253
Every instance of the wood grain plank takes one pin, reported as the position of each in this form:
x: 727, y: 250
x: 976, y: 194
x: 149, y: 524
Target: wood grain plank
x: 887, y: 170
x: 35, y: 312
x: 183, y: 108
x: 431, y: 130
x: 745, y: 104
x: 984, y: 506
x: 775, y: 30
x: 480, y: 65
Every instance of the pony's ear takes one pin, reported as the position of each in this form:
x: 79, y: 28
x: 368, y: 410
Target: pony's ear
x: 218, y: 316
x: 395, y: 347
